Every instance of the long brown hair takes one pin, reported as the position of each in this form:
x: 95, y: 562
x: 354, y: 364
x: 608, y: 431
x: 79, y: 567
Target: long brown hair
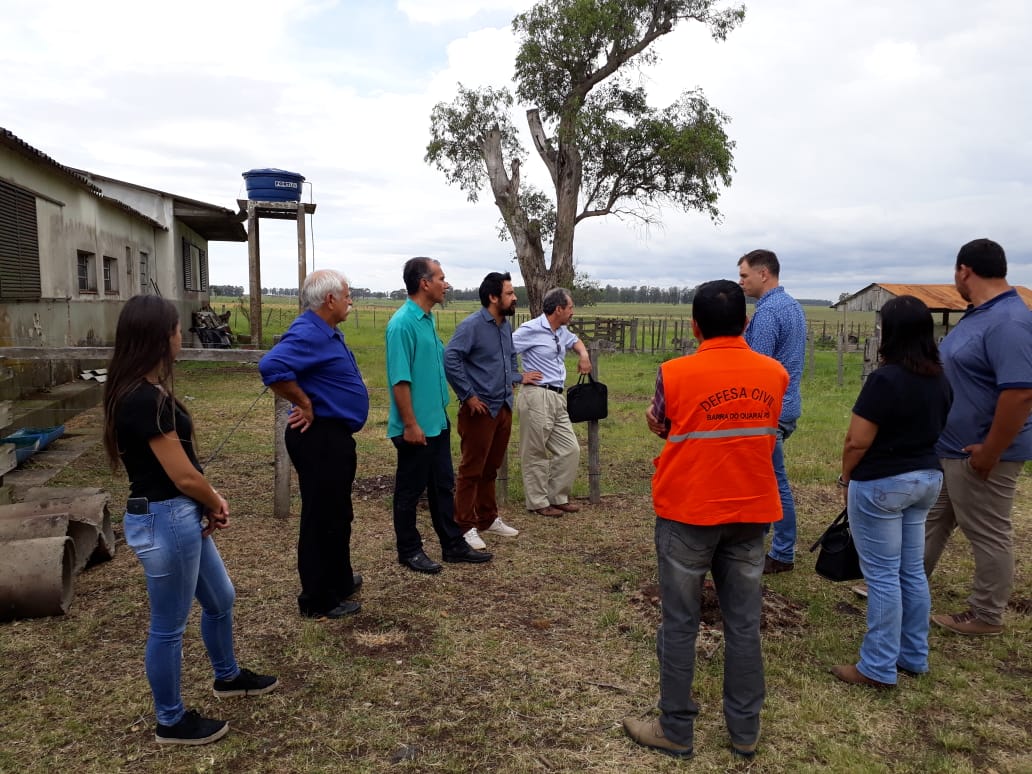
x: 143, y: 343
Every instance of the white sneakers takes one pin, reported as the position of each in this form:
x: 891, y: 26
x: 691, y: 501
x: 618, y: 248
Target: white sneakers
x: 499, y: 527
x: 474, y: 540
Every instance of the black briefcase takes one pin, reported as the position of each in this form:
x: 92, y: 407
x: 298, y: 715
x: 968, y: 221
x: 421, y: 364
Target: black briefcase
x: 587, y: 400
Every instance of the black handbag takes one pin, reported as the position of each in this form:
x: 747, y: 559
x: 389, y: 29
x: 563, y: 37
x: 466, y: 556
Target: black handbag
x: 587, y: 400
x: 837, y: 560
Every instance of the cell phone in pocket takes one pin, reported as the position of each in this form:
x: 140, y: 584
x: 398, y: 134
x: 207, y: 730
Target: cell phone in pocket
x: 137, y: 506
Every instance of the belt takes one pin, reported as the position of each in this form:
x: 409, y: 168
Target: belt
x: 549, y: 387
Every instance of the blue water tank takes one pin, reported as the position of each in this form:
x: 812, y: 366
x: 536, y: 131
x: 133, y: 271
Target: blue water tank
x: 273, y: 185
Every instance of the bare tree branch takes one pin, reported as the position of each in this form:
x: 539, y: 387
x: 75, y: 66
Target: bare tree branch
x: 542, y: 144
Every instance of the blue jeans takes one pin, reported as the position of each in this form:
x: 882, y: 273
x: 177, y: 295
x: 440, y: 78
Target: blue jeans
x: 782, y: 545
x: 887, y: 519
x: 733, y: 553
x: 180, y: 565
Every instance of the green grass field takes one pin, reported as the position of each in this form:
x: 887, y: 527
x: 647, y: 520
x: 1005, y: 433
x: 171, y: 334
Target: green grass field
x: 369, y: 317
x: 526, y: 664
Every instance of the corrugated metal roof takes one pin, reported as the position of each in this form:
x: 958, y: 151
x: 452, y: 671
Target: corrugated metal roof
x: 19, y: 145
x: 938, y: 298
x: 14, y: 142
x: 214, y: 223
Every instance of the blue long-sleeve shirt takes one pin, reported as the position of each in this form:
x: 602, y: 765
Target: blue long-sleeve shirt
x: 480, y: 360
x: 778, y: 329
x: 315, y: 355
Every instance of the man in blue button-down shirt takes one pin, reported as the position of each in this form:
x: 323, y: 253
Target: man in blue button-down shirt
x: 313, y: 368
x: 480, y: 364
x: 549, y: 450
x: 778, y: 330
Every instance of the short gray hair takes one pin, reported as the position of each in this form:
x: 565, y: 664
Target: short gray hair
x: 555, y: 298
x: 321, y: 283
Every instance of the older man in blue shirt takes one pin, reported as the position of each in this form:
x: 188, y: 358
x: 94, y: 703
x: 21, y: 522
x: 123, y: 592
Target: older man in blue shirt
x: 480, y: 364
x: 777, y: 329
x: 549, y: 451
x: 313, y: 368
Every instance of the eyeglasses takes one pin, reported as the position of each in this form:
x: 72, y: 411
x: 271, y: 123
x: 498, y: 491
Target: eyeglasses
x: 558, y: 349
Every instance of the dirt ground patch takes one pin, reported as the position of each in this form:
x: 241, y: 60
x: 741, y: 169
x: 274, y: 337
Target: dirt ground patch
x: 526, y: 664
x: 778, y: 614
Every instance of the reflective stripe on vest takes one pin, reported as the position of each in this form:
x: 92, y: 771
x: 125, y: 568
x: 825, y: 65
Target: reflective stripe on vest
x: 735, y: 433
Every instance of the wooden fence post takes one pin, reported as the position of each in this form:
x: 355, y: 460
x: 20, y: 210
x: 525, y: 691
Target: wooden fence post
x: 841, y: 357
x: 813, y: 352
x: 281, y: 461
x: 634, y: 334
x: 502, y: 481
x: 594, y: 449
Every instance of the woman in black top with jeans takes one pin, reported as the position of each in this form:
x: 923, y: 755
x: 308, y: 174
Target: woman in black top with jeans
x: 893, y: 478
x: 171, y: 514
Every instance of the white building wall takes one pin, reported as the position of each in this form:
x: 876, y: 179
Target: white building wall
x: 69, y: 219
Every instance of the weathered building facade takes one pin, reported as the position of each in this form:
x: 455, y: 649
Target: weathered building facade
x: 74, y: 246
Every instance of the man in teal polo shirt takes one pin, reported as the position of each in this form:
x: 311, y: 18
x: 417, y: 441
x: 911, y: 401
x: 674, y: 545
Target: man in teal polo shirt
x: 418, y: 423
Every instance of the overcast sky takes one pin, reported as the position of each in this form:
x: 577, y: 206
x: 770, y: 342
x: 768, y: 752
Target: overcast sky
x: 873, y: 138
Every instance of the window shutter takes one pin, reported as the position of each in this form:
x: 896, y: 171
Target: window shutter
x: 187, y: 266
x: 202, y: 262
x: 19, y: 244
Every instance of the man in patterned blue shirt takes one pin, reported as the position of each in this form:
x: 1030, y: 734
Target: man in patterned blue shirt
x: 777, y: 329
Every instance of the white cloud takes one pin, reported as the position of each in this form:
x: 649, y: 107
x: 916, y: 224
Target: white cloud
x: 440, y: 11
x: 872, y: 139
x: 891, y: 60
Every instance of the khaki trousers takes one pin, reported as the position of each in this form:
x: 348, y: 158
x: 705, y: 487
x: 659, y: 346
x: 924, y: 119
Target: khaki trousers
x: 982, y: 510
x: 549, y: 451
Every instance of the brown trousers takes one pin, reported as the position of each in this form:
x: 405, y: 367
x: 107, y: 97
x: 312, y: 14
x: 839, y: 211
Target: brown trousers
x: 483, y: 441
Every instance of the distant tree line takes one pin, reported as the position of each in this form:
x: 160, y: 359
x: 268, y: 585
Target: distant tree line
x: 237, y: 291
x: 233, y: 291
x: 586, y: 292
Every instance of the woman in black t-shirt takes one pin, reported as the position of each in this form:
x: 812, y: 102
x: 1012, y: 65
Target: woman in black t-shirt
x: 893, y: 478
x: 171, y: 513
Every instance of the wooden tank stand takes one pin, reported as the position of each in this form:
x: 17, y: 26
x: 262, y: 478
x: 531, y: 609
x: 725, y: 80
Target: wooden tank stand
x: 276, y: 211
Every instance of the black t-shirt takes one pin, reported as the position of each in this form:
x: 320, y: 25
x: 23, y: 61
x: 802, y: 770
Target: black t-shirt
x: 910, y: 411
x: 144, y: 413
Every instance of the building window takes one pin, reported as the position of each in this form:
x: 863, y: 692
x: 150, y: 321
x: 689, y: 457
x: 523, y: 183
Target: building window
x: 195, y: 267
x: 19, y: 244
x: 87, y: 270
x: 110, y: 274
x: 144, y: 272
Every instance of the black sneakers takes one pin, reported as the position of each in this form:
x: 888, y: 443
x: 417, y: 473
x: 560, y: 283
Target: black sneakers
x: 191, y: 729
x: 247, y: 683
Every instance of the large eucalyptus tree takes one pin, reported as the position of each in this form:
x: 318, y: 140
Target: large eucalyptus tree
x: 607, y: 151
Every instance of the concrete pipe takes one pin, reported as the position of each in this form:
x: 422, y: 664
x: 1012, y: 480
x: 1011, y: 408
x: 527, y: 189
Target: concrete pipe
x: 25, y: 525
x: 89, y: 521
x: 36, y: 577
